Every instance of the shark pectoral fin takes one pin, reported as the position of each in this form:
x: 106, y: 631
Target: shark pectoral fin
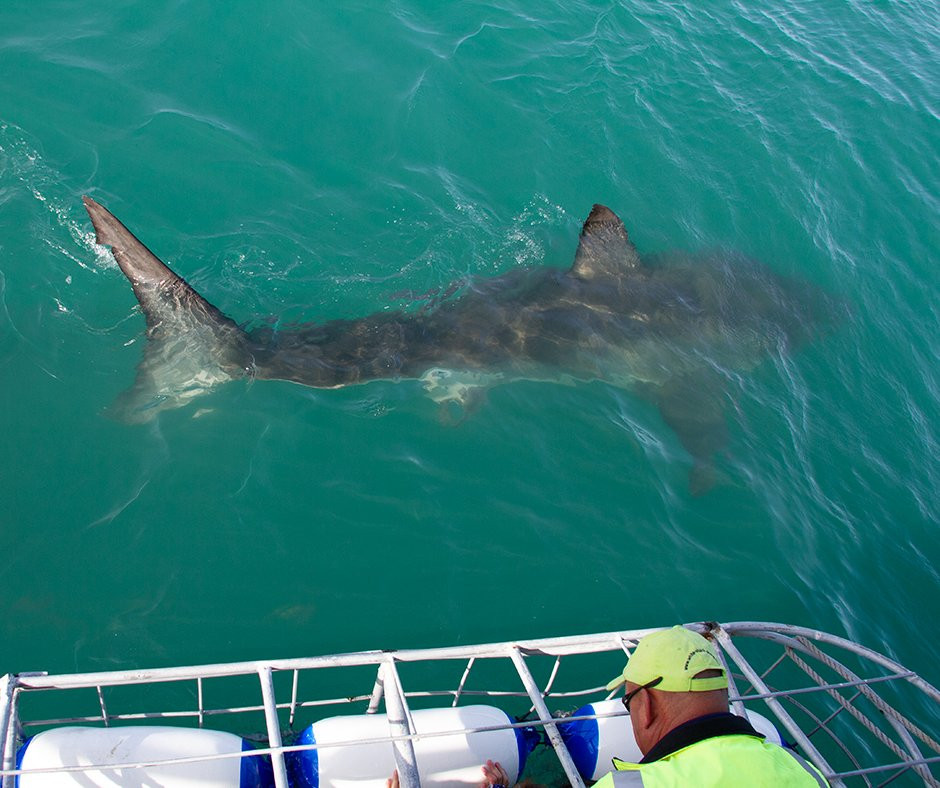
x: 457, y: 393
x: 173, y: 371
x: 604, y: 247
x: 139, y: 404
x: 453, y: 412
x: 704, y: 476
x: 692, y: 405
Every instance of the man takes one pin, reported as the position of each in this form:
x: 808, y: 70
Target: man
x: 677, y: 697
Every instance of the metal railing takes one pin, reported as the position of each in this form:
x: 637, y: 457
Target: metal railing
x: 840, y: 719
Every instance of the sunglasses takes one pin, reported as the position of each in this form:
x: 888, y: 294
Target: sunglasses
x: 625, y: 700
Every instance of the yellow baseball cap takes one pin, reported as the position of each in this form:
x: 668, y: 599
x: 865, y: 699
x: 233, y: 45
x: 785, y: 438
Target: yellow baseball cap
x: 674, y: 655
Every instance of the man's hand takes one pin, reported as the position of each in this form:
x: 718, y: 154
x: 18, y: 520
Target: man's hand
x: 494, y: 776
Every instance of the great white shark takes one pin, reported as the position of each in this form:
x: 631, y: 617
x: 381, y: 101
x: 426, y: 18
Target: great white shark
x: 670, y: 328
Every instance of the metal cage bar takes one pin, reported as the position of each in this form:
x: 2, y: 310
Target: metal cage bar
x: 295, y: 682
x: 8, y: 729
x: 546, y: 718
x: 266, y: 677
x: 758, y: 683
x: 901, y: 725
x: 463, y: 681
x: 401, y: 725
x: 732, y: 639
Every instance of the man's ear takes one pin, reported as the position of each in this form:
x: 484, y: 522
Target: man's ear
x: 644, y: 708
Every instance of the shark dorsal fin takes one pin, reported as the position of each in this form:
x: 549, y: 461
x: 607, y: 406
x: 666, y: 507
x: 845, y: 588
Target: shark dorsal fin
x: 158, y: 289
x: 604, y: 248
x: 191, y: 345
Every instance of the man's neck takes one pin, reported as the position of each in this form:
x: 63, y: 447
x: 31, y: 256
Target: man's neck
x: 694, y: 730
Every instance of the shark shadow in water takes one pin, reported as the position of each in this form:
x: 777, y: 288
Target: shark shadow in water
x: 668, y: 328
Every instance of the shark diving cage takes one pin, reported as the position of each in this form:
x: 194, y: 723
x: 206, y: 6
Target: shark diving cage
x: 436, y: 715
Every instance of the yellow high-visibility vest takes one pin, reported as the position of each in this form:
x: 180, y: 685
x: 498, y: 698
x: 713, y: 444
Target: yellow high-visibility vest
x: 730, y: 761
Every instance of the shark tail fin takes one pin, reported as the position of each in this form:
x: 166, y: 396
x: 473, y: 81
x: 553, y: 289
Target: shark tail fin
x: 604, y: 248
x: 191, y: 345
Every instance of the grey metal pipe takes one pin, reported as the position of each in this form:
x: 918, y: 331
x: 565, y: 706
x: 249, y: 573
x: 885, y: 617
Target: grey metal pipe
x: 794, y: 730
x: 8, y: 729
x: 400, y: 724
x: 535, y: 695
x: 274, y: 726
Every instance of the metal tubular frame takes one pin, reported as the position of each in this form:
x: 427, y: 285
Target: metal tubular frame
x: 400, y: 725
x: 266, y: 677
x: 8, y: 726
x: 546, y: 718
x: 402, y: 733
x: 793, y: 639
x: 463, y: 681
x: 775, y: 706
x: 845, y: 704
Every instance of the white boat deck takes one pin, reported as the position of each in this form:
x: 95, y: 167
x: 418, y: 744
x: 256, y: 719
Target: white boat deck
x: 860, y: 717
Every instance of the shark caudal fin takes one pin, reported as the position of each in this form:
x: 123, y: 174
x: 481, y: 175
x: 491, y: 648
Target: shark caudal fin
x: 191, y: 345
x: 604, y: 249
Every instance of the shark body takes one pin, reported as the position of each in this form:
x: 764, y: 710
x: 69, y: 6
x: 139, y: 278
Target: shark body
x: 666, y: 328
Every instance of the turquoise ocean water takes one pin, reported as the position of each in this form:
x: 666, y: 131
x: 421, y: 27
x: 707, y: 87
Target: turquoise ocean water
x: 307, y: 162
